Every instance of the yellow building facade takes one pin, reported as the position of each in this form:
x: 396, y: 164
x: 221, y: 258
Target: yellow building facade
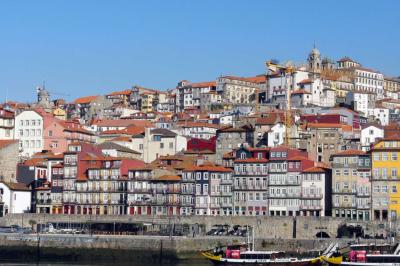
x: 386, y: 179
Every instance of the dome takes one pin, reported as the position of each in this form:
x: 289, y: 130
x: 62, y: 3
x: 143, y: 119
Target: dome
x: 315, y: 51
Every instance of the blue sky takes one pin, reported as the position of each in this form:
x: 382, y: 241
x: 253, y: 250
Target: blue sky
x: 94, y: 47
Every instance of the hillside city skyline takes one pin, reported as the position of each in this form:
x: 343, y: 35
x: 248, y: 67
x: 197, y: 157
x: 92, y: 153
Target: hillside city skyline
x: 77, y: 47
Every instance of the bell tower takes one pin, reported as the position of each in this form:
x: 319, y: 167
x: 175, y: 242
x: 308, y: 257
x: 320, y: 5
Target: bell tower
x: 314, y: 61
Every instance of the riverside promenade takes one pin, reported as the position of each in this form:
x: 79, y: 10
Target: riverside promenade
x: 271, y: 233
x: 272, y: 227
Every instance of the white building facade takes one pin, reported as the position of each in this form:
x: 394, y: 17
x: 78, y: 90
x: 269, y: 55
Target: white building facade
x: 29, y: 132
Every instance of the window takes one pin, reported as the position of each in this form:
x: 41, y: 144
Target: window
x: 394, y: 156
x: 161, y: 145
x: 157, y: 138
x: 384, y: 156
x: 394, y: 172
x: 140, y: 146
x: 171, y: 145
x: 50, y: 133
x: 384, y: 173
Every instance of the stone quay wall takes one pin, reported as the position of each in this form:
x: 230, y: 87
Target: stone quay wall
x: 264, y: 227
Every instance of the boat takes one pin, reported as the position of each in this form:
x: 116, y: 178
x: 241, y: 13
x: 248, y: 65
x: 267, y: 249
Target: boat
x: 233, y: 256
x: 243, y: 254
x: 369, y: 255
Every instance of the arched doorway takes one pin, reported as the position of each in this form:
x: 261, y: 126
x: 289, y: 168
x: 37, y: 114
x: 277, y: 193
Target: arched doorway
x: 322, y: 234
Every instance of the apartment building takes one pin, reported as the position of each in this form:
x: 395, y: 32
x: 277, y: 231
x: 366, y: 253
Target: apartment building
x: 6, y: 124
x: 351, y: 185
x: 29, y: 131
x: 213, y: 189
x: 385, y: 179
x: 251, y: 181
x: 156, y: 142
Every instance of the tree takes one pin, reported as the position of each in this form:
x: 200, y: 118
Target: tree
x: 32, y: 223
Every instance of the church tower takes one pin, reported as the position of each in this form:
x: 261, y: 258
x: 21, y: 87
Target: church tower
x: 314, y: 61
x: 43, y: 98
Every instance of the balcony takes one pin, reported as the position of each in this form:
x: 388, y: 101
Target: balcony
x: 345, y: 191
x: 44, y: 201
x: 285, y: 195
x: 344, y: 205
x: 250, y: 187
x: 167, y: 191
x: 285, y: 183
x: 363, y: 194
x: 310, y: 207
x: 311, y: 196
x: 226, y: 193
x: 226, y: 181
x: 140, y: 190
x: 165, y: 202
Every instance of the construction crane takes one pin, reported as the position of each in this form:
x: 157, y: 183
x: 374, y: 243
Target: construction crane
x: 287, y: 71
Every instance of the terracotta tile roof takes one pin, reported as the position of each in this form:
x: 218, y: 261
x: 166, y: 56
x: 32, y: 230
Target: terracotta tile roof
x: 124, y: 92
x: 169, y: 178
x: 305, y: 81
x: 257, y: 79
x: 271, y: 119
x: 207, y: 167
x: 16, y: 186
x: 4, y: 143
x: 122, y: 139
x: 86, y: 99
x: 251, y: 160
x: 35, y: 162
x: 130, y: 130
x: 229, y: 155
x: 258, y: 149
x: 297, y: 158
x: 301, y: 91
x: 314, y: 170
x: 191, y: 151
x: 122, y: 123
x: 324, y: 125
x: 6, y: 114
x: 346, y: 59
x: 203, y: 84
x: 349, y: 153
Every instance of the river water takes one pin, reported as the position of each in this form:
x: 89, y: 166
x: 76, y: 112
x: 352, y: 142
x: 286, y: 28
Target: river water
x: 61, y: 263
